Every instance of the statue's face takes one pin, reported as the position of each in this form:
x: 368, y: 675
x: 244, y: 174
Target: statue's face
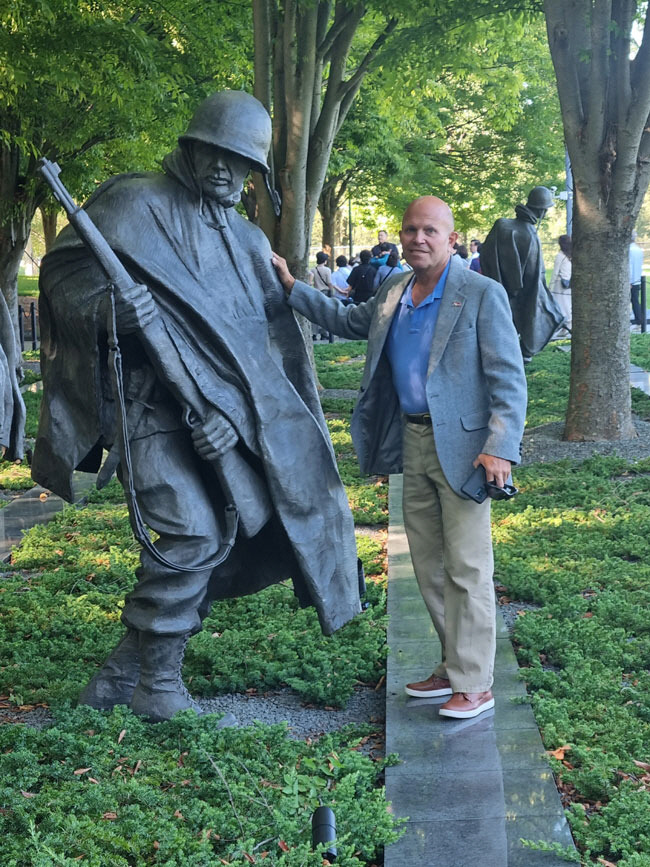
x: 219, y: 173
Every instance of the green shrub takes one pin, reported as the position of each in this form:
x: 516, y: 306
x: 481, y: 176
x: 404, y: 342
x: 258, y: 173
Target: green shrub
x: 111, y: 789
x: 63, y: 593
x: 15, y: 476
x: 340, y: 365
x: 575, y: 542
x: 33, y: 406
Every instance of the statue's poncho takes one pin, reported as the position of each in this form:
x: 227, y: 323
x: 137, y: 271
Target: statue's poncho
x: 12, y: 407
x: 512, y: 255
x: 209, y: 271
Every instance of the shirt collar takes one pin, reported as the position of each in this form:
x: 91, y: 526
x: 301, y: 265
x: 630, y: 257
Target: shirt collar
x: 436, y: 295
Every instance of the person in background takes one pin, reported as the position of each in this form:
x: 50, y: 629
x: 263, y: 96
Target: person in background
x: 561, y: 283
x: 475, y: 256
x: 382, y: 257
x: 362, y: 279
x: 340, y: 280
x: 460, y: 250
x: 391, y: 268
x: 382, y: 238
x: 322, y: 275
x: 636, y: 272
x: 321, y: 279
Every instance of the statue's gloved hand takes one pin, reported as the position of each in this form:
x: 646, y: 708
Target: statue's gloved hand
x: 134, y: 308
x: 214, y: 437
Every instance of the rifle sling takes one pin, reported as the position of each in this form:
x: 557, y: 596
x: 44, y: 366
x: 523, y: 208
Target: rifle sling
x: 122, y: 440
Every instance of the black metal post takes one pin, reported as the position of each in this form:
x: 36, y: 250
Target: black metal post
x: 644, y: 312
x: 21, y: 328
x: 351, y: 246
x: 323, y: 830
x: 32, y: 316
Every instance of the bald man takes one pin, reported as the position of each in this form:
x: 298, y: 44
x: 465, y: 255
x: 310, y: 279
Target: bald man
x: 443, y: 391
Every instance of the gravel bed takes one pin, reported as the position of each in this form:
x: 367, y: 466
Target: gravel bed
x: 344, y: 393
x: 512, y: 610
x: 545, y: 444
x: 366, y: 705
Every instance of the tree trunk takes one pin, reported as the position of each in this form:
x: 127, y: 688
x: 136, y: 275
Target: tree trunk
x: 17, y: 209
x: 605, y: 101
x: 328, y: 207
x: 13, y: 239
x: 49, y: 215
x: 599, y: 397
x: 294, y: 46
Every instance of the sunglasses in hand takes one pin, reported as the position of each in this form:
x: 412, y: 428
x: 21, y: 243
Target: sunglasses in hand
x: 507, y: 492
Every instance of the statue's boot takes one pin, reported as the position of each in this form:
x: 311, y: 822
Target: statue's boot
x: 160, y: 692
x: 117, y: 678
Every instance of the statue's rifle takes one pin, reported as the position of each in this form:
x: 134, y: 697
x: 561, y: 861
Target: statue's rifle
x: 245, y: 491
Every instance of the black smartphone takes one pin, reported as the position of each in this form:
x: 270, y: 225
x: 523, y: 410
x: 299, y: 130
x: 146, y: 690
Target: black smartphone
x: 475, y: 486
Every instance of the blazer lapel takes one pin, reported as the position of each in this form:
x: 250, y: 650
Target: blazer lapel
x: 451, y: 304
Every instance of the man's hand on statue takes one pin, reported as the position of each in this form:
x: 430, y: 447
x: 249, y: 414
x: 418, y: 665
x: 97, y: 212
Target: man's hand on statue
x: 214, y: 437
x: 284, y: 275
x: 134, y: 308
x: 495, y: 468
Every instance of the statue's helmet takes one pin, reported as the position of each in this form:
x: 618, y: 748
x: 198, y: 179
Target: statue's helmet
x: 235, y: 121
x: 540, y: 197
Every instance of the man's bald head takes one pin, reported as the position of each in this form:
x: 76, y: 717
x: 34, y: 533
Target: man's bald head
x: 433, y: 205
x: 428, y: 236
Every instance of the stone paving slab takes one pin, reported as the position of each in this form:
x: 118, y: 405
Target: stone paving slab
x: 29, y: 509
x: 472, y: 789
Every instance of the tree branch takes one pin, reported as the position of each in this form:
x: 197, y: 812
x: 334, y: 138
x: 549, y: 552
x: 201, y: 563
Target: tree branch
x: 563, y: 54
x: 339, y: 26
x: 352, y: 85
x: 598, y: 105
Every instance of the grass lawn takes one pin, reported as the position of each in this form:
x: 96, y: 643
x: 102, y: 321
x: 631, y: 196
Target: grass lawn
x: 27, y: 286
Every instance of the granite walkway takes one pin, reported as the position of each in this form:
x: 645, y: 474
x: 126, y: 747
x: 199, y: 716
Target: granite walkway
x: 471, y: 789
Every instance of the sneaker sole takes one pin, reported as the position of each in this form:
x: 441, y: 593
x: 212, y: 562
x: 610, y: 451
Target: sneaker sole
x: 467, y: 714
x: 428, y: 693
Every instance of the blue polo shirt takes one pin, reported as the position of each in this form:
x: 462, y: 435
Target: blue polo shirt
x: 408, y: 345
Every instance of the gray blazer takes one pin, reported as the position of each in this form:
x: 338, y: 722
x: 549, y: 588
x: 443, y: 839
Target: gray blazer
x: 476, y: 388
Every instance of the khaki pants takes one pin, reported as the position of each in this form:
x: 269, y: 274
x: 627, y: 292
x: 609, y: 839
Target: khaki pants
x: 451, y: 549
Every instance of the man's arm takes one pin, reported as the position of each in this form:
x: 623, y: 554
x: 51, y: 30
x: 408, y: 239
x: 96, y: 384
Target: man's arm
x: 352, y: 322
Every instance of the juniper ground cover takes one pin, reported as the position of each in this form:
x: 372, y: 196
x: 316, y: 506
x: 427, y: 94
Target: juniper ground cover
x: 572, y: 548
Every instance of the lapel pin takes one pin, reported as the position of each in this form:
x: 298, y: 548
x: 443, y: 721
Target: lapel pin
x: 456, y: 303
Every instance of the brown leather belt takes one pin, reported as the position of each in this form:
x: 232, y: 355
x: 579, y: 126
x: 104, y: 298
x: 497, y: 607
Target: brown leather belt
x: 418, y: 418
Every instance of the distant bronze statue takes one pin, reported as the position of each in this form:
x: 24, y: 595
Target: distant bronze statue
x: 12, y: 406
x: 192, y: 372
x: 512, y: 255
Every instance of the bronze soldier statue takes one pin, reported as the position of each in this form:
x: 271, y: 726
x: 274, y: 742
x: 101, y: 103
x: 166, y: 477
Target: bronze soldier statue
x: 512, y: 255
x: 216, y: 388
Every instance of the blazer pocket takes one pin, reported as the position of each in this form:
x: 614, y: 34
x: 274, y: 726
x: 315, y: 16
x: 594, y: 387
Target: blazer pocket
x: 459, y: 335
x: 475, y: 420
